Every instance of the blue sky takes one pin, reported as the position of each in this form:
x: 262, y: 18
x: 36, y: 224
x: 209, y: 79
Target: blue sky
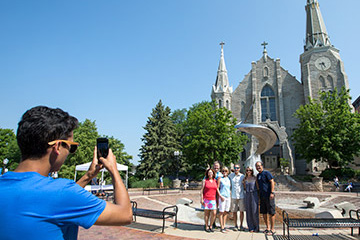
x: 112, y: 61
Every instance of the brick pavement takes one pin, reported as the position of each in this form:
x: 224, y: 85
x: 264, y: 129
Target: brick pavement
x: 119, y: 233
x: 150, y: 229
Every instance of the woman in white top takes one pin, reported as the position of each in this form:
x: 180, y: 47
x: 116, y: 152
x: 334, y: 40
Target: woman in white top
x: 224, y: 184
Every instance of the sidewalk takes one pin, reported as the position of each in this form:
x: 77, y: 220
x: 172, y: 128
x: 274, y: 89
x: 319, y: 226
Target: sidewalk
x: 146, y: 228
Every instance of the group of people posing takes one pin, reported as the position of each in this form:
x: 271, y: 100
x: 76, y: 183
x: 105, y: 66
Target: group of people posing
x: 235, y: 192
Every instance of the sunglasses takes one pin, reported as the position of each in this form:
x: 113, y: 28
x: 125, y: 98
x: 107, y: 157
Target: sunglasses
x: 72, y: 145
x: 236, y: 168
x: 224, y: 171
x: 249, y: 170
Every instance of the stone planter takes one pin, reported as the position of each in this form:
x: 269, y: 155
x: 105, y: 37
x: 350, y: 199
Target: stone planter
x: 176, y: 183
x: 317, y: 181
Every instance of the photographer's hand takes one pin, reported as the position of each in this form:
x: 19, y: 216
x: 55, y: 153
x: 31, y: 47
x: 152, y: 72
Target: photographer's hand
x: 119, y: 213
x: 94, y: 169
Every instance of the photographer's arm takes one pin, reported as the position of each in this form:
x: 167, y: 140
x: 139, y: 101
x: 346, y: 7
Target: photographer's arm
x: 119, y: 213
x: 93, y: 171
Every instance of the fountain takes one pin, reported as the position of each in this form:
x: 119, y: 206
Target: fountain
x: 266, y: 140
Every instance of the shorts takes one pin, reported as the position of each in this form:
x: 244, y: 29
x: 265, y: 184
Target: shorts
x: 267, y: 206
x: 224, y: 206
x: 237, y: 205
x: 209, y: 204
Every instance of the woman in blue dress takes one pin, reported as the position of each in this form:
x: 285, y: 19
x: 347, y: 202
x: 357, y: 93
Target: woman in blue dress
x: 251, y: 200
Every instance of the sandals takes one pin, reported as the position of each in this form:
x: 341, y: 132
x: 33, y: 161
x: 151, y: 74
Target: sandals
x: 270, y: 232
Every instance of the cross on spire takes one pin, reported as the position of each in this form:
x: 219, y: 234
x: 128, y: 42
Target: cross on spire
x: 264, y: 44
x: 222, y: 45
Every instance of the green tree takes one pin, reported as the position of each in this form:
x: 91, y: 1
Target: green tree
x: 9, y: 149
x: 328, y: 130
x: 178, y: 117
x: 118, y: 149
x: 210, y: 136
x: 86, y: 134
x: 157, y: 152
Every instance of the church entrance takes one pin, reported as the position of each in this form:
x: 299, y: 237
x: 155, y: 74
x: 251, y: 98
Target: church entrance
x: 270, y: 161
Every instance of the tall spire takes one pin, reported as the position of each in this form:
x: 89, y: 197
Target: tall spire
x: 221, y: 91
x: 222, y: 81
x: 316, y: 34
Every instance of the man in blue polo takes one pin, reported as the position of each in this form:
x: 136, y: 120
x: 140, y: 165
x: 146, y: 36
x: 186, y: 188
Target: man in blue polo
x: 42, y: 208
x: 267, y: 197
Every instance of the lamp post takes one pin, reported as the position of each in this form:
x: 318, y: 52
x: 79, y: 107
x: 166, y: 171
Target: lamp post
x: 177, y: 182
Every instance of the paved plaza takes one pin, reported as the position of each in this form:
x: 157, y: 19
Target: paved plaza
x: 145, y: 228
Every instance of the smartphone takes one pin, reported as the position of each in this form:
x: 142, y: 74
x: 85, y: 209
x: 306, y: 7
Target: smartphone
x: 102, y: 145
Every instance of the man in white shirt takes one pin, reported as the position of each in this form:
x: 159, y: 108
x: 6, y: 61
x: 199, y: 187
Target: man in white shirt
x: 237, y: 196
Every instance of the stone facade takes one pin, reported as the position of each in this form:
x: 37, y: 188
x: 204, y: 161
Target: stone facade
x: 269, y: 95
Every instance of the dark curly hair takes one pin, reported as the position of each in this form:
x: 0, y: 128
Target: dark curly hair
x: 41, y: 125
x: 207, y: 173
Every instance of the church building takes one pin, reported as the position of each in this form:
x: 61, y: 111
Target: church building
x: 269, y: 95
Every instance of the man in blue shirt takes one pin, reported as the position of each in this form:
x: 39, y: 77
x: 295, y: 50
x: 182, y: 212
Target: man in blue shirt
x: 39, y: 207
x: 267, y: 197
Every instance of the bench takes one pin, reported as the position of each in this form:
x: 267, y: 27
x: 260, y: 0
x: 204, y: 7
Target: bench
x: 349, y: 222
x: 161, y: 190
x: 164, y: 214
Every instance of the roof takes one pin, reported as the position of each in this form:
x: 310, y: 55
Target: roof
x: 85, y: 167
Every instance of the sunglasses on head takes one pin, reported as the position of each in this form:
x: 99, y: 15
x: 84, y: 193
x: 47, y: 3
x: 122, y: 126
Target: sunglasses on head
x: 72, y: 145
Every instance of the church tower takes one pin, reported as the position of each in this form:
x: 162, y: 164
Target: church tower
x: 321, y: 66
x: 221, y: 91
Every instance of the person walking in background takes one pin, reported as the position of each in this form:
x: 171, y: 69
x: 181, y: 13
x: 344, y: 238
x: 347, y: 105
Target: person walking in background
x: 336, y: 182
x: 267, y: 197
x: 349, y: 186
x: 208, y: 193
x: 224, y: 197
x: 251, y: 200
x: 161, y: 181
x: 237, y: 197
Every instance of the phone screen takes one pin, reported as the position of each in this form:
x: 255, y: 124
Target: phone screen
x: 102, y: 147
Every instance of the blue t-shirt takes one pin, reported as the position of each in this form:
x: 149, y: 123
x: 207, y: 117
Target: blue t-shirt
x: 225, y: 187
x: 35, y: 207
x: 263, y: 179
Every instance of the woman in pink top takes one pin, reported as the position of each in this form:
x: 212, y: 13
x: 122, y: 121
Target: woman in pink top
x: 208, y: 198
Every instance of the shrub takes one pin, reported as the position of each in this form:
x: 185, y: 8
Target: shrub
x: 303, y: 178
x: 343, y: 173
x: 148, y: 183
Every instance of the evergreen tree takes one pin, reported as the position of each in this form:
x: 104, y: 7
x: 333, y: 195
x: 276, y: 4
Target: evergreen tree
x: 157, y: 152
x: 328, y: 131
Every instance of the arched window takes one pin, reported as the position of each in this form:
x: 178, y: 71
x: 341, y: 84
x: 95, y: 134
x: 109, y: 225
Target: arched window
x: 242, y: 111
x: 330, y: 82
x: 268, y: 106
x: 322, y: 82
x: 266, y: 72
x: 220, y: 104
x: 227, y: 104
